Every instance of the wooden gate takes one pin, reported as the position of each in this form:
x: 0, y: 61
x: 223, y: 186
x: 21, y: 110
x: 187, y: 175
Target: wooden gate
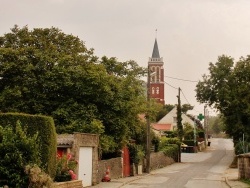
x: 126, y: 162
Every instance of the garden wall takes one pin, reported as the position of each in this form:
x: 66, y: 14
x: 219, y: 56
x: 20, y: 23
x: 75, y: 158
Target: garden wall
x: 244, y: 166
x: 115, y: 166
x: 160, y: 160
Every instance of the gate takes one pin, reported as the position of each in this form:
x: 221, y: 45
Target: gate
x: 126, y: 162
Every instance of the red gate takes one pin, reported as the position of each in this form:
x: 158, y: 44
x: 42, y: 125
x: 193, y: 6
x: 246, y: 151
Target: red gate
x: 126, y: 162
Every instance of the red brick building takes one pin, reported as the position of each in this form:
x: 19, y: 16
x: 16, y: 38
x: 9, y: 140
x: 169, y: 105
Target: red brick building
x: 155, y: 65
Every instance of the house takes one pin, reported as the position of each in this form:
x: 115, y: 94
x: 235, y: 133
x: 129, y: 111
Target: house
x: 170, y: 119
x: 159, y: 129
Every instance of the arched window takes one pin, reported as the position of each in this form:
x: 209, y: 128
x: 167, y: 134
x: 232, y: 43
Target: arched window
x: 157, y: 90
x: 153, y: 90
x: 158, y: 74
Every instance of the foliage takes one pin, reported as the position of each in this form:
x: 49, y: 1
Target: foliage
x: 171, y: 151
x: 156, y: 142
x: 242, y: 147
x: 226, y: 88
x: 44, y: 127
x: 171, y: 134
x: 19, y: 150
x: 65, y: 168
x: 44, y: 71
x: 168, y: 141
x: 37, y: 177
x: 137, y: 153
x: 168, y: 107
x: 188, y: 132
x: 216, y: 124
x: 186, y: 107
x: 179, y: 119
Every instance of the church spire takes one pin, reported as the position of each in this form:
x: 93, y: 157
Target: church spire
x: 155, y: 53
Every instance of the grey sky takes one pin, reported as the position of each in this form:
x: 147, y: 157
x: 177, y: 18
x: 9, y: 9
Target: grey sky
x: 190, y: 33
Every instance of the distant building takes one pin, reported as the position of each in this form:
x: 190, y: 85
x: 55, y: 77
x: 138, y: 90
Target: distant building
x: 155, y: 65
x: 171, y: 120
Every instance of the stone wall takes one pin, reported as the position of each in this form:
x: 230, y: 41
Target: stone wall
x: 244, y: 166
x: 69, y: 184
x: 115, y: 166
x: 159, y: 160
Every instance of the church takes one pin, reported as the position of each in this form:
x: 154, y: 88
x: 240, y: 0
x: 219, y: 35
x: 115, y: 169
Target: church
x: 156, y: 82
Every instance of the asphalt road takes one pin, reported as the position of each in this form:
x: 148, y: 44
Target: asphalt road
x: 199, y: 170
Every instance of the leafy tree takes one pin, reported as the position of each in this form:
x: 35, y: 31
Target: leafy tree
x: 165, y: 110
x: 186, y: 107
x: 227, y: 89
x: 17, y: 151
x: 45, y: 71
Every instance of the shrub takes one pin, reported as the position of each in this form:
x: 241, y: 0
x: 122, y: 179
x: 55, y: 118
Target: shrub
x: 37, y: 177
x: 17, y: 151
x: 65, y: 168
x: 171, y: 151
x: 168, y: 141
x: 136, y: 153
x: 45, y: 128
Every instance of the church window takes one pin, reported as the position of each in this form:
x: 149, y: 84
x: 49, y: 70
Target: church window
x: 157, y: 90
x: 153, y: 90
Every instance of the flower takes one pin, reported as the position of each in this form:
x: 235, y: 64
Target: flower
x: 65, y: 168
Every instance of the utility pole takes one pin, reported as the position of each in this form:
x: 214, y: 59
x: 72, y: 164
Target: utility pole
x: 205, y: 126
x: 148, y: 125
x: 179, y: 123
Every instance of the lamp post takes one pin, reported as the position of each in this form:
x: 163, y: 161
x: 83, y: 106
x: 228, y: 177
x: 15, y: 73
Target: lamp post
x: 148, y: 125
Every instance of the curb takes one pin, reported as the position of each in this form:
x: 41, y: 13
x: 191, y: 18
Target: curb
x: 227, y: 182
x: 138, y: 177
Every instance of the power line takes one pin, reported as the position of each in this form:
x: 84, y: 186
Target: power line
x: 185, y: 97
x: 170, y: 85
x: 181, y: 79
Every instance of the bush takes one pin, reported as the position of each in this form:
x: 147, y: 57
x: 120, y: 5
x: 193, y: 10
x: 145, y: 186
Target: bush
x: 17, y: 151
x: 136, y: 153
x: 242, y: 147
x: 65, y: 168
x: 45, y: 128
x: 168, y: 141
x: 38, y: 178
x: 171, y: 151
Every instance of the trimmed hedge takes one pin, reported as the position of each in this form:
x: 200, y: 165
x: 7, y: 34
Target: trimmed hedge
x: 45, y: 127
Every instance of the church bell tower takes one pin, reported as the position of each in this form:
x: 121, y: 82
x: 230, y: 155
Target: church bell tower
x: 155, y: 65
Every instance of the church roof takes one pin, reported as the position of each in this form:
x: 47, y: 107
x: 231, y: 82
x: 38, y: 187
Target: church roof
x: 155, y: 53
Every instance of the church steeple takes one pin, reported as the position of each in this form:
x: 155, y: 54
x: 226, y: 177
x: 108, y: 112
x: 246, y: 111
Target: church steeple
x: 155, y: 65
x: 155, y: 53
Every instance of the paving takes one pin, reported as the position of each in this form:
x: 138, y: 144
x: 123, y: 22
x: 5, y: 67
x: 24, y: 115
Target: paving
x: 231, y: 179
x: 230, y: 175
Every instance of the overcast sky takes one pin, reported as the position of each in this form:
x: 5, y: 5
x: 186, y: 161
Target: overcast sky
x: 190, y: 33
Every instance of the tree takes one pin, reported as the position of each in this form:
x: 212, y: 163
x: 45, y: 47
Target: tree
x: 44, y: 71
x: 165, y: 110
x: 186, y: 107
x: 226, y: 88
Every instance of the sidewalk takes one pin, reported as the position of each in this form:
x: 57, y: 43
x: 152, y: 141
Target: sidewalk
x: 231, y: 179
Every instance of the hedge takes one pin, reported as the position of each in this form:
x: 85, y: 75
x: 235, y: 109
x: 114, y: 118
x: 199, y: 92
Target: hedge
x: 45, y: 127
